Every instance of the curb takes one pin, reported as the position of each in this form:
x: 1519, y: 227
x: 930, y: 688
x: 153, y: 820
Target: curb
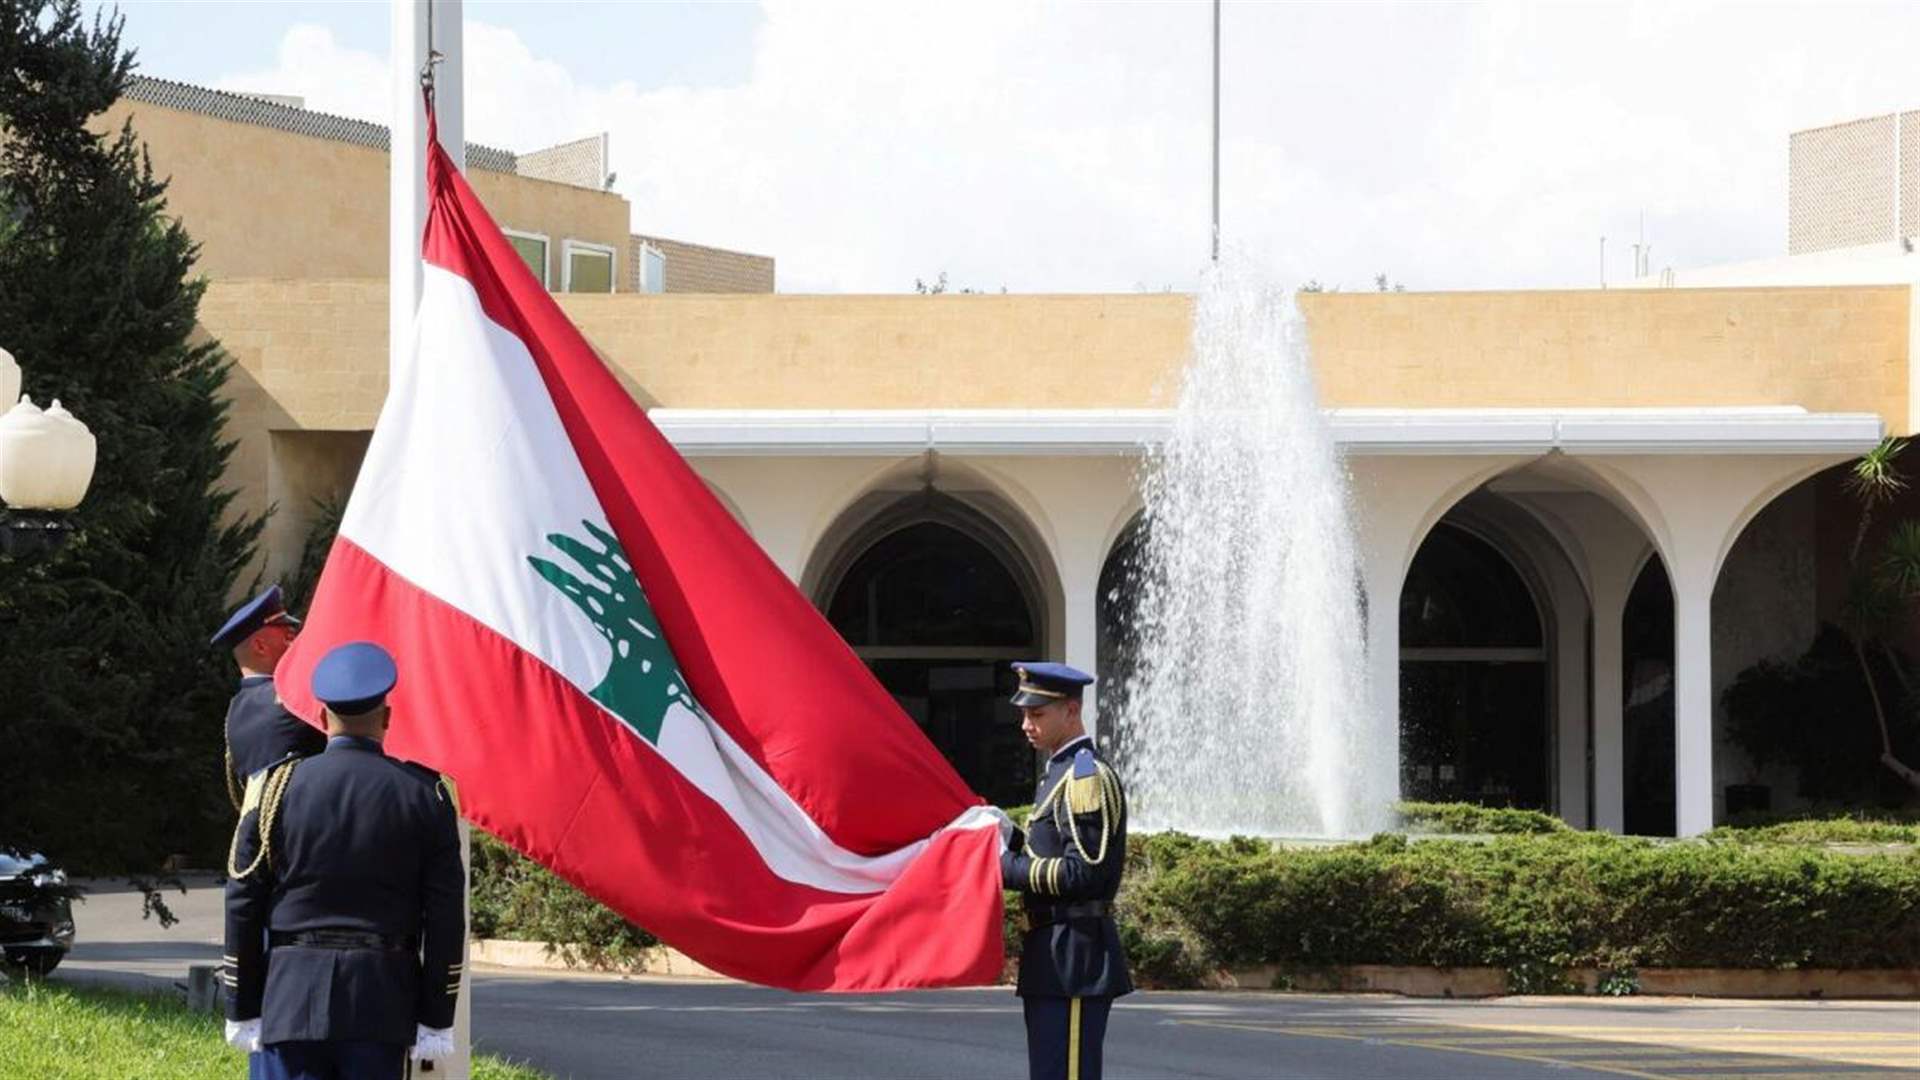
x: 542, y: 956
x: 1407, y: 981
x: 1482, y: 982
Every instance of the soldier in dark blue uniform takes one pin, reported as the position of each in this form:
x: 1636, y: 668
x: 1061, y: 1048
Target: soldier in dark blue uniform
x: 1071, y: 963
x: 260, y: 731
x: 350, y: 863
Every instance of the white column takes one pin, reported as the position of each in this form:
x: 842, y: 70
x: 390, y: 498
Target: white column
x: 406, y: 220
x: 1609, y: 710
x: 1570, y: 681
x: 1384, y: 577
x: 1693, y: 700
x: 1080, y: 588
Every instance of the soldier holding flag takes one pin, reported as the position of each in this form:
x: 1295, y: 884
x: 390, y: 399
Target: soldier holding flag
x: 1071, y: 963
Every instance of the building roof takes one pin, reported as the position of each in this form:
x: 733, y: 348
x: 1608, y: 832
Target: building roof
x: 246, y: 109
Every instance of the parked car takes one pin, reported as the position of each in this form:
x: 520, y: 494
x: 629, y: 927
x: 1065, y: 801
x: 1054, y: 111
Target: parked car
x: 36, y: 910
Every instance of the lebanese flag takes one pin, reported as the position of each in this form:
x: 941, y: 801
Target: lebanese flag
x: 623, y: 685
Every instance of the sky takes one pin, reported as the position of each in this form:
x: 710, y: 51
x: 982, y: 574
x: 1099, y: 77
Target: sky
x: 1065, y: 147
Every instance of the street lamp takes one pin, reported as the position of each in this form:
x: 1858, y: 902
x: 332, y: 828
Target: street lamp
x: 46, y: 463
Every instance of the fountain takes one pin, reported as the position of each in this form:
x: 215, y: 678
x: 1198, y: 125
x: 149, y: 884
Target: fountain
x: 1246, y: 709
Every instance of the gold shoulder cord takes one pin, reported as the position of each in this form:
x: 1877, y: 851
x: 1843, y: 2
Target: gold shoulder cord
x: 1092, y: 794
x: 268, y: 791
x: 233, y: 782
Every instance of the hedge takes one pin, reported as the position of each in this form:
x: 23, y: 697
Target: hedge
x: 1535, y: 904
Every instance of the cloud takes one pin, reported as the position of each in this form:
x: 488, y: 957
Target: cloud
x: 1065, y: 147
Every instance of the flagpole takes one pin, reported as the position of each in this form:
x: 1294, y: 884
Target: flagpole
x: 407, y: 181
x: 428, y: 43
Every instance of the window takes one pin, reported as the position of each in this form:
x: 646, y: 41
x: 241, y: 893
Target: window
x: 533, y: 248
x: 589, y: 267
x: 653, y: 269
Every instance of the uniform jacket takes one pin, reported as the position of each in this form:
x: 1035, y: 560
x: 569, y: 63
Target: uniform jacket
x: 260, y: 731
x: 359, y: 842
x: 1076, y: 849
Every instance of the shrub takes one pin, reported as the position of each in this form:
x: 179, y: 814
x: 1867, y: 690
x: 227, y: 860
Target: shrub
x: 515, y: 898
x: 1426, y: 817
x: 1881, y: 827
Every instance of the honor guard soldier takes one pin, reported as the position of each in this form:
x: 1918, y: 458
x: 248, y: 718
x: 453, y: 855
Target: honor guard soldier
x: 348, y: 864
x: 1071, y: 963
x: 260, y: 731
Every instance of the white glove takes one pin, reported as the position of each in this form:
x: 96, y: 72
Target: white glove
x: 244, y: 1035
x: 432, y: 1043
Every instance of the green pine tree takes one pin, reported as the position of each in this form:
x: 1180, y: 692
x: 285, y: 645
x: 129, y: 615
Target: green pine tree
x: 110, y: 700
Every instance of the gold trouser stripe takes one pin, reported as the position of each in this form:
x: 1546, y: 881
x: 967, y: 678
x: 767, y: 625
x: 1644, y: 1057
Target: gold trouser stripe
x: 1073, y: 1039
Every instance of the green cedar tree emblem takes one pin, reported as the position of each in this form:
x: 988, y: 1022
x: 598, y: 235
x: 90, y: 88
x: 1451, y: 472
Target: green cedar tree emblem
x: 644, y: 680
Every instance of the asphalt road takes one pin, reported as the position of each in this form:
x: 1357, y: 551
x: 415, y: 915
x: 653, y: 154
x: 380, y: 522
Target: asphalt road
x: 592, y: 1026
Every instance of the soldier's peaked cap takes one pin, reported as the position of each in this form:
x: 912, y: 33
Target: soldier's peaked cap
x: 354, y: 678
x: 1043, y: 683
x: 269, y: 606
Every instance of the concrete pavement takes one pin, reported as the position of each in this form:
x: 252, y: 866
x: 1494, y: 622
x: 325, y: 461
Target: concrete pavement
x: 588, y: 1025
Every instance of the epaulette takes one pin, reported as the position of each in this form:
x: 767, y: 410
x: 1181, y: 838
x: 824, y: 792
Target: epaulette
x: 1085, y: 792
x: 444, y: 788
x: 258, y: 782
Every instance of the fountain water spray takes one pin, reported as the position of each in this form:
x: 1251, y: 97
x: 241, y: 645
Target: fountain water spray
x: 1246, y: 708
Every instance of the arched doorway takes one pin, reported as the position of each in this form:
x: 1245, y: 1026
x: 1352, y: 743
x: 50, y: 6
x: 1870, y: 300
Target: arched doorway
x: 1476, y: 715
x: 1117, y: 634
x: 937, y: 601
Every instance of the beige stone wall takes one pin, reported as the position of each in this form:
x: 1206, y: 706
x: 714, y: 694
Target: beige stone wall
x: 1838, y: 349
x: 265, y: 203
x: 696, y: 268
x: 319, y: 349
x: 890, y: 352
x: 308, y: 356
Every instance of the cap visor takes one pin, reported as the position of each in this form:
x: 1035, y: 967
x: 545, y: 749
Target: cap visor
x: 1024, y: 700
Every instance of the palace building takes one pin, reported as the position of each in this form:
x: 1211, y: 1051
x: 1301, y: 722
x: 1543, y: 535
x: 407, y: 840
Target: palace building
x: 1591, y: 509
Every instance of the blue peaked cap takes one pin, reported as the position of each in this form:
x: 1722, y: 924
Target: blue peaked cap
x: 1043, y: 683
x: 250, y: 617
x: 354, y: 678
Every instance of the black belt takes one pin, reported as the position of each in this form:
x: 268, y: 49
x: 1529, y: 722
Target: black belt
x: 341, y: 939
x: 1045, y: 914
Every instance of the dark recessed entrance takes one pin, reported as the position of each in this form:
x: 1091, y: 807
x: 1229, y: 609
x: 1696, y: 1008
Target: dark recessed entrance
x: 1475, y: 715
x: 937, y: 611
x: 1647, y: 735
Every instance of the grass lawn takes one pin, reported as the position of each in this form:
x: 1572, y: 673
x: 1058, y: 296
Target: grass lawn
x: 50, y: 1030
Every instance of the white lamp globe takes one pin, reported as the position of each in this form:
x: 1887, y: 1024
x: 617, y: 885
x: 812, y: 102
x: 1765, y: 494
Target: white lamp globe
x: 46, y: 458
x: 9, y: 379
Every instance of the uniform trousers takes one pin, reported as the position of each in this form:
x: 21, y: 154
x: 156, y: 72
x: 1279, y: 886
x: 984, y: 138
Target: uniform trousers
x: 1064, y: 1036
x: 333, y: 1060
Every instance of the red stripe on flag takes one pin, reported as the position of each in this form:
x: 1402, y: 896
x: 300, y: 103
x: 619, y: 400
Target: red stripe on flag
x: 543, y: 767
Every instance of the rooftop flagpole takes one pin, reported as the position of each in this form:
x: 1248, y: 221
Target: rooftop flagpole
x: 1216, y: 130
